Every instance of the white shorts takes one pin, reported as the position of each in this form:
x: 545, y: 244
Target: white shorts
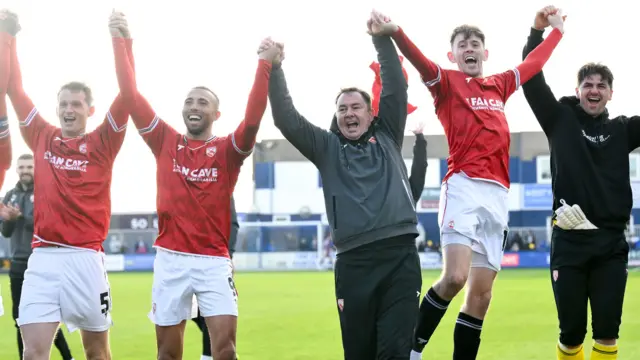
x: 475, y: 213
x: 179, y: 278
x: 66, y: 285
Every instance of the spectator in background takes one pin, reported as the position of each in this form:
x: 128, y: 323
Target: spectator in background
x: 199, y: 320
x: 17, y: 224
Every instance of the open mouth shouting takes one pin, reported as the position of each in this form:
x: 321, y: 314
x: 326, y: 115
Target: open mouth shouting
x: 470, y: 60
x: 69, y: 119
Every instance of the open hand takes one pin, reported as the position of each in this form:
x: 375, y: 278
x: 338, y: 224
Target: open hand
x: 380, y: 24
x: 9, y: 22
x: 118, y: 25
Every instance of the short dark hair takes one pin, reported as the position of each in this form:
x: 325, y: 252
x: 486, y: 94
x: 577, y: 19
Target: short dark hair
x: 25, y: 157
x: 595, y: 69
x: 467, y: 31
x: 209, y: 90
x: 365, y: 95
x: 76, y: 86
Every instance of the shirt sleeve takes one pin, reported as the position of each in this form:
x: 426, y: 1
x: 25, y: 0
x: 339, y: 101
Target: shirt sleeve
x: 32, y: 125
x: 243, y: 139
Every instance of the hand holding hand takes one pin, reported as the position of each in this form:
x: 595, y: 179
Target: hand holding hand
x: 9, y: 22
x: 380, y: 24
x: 557, y: 20
x: 418, y: 128
x: 271, y: 51
x: 118, y: 25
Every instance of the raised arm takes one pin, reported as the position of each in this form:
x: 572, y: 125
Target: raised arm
x: 309, y: 139
x: 535, y: 54
x: 418, y: 165
x: 129, y: 101
x: 112, y: 130
x: 32, y: 125
x: 5, y: 140
x: 392, y: 109
x: 243, y: 138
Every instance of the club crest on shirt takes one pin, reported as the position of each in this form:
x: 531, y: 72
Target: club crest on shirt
x: 341, y: 304
x: 372, y: 140
x: 555, y: 275
x: 83, y: 148
x: 211, y: 151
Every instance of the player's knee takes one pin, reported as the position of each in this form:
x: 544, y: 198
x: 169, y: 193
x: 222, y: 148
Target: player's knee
x: 477, y: 302
x: 225, y: 352
x: 452, y: 283
x: 97, y: 354
x: 35, y: 352
x: 169, y: 353
x: 96, y: 350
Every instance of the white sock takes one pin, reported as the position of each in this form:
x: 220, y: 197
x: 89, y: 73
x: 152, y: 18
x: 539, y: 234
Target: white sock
x: 205, y: 357
x: 415, y: 355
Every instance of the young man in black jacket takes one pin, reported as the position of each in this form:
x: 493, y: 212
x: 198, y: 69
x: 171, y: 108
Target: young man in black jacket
x: 369, y: 206
x: 199, y: 320
x: 591, y: 200
x: 17, y: 225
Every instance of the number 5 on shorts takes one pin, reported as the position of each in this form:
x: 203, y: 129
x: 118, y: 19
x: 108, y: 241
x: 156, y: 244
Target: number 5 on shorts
x: 105, y: 302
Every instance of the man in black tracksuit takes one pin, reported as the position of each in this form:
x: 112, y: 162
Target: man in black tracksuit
x: 202, y: 325
x: 18, y: 226
x: 589, y: 168
x: 369, y: 206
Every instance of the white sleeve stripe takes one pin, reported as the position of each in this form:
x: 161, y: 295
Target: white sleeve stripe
x: 431, y: 83
x: 4, y: 134
x: 240, y: 151
x: 151, y: 126
x: 517, y: 73
x: 30, y: 117
x: 113, y: 123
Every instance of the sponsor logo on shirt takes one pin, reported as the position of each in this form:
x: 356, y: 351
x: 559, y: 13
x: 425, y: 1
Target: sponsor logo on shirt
x: 479, y: 103
x: 61, y: 163
x: 196, y: 175
x: 598, y: 139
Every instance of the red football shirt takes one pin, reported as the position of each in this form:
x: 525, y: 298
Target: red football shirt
x: 73, y: 175
x: 5, y: 138
x: 196, y: 179
x: 471, y: 110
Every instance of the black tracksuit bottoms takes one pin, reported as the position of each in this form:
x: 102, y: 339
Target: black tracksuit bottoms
x: 378, y: 297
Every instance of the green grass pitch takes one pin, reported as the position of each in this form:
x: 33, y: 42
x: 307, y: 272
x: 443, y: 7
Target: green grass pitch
x: 293, y: 316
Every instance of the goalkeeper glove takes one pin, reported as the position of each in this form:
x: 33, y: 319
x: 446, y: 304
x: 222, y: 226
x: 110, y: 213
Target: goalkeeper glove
x: 572, y: 218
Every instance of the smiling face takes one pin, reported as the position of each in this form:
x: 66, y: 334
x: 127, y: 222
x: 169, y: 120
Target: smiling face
x: 74, y: 108
x: 595, y: 88
x: 199, y: 112
x: 353, y: 113
x: 467, y: 50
